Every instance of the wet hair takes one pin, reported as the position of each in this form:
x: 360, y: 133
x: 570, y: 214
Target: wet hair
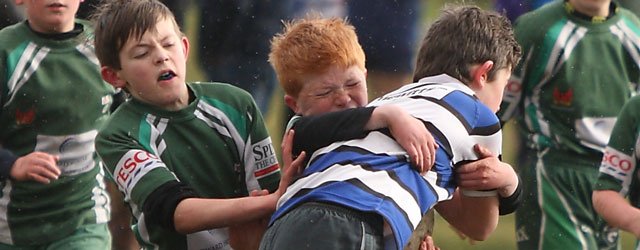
x: 311, y: 46
x: 117, y: 21
x: 463, y: 36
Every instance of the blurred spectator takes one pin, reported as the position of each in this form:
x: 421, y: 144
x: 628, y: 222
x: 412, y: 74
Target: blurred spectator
x: 388, y: 33
x: 9, y: 13
x: 633, y: 5
x: 514, y: 8
x: 234, y: 43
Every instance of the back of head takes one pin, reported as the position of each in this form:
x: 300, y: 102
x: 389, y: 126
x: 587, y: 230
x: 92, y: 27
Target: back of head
x: 463, y: 36
x: 116, y: 21
x: 310, y: 46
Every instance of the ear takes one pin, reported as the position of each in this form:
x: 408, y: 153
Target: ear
x: 291, y: 102
x: 185, y: 46
x: 480, y: 73
x: 111, y: 76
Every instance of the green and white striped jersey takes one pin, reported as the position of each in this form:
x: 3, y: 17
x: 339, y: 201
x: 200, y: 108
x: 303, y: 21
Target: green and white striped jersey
x: 218, y: 145
x: 573, y: 80
x: 53, y: 100
x: 619, y: 168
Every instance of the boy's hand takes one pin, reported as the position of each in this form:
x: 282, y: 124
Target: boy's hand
x: 291, y: 167
x: 36, y: 166
x: 428, y: 244
x: 414, y: 137
x: 487, y: 173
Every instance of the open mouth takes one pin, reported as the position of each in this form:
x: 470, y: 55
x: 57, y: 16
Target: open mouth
x: 55, y: 5
x: 167, y: 76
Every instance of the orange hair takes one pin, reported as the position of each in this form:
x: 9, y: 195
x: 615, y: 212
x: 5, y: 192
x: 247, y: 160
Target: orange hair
x: 310, y: 46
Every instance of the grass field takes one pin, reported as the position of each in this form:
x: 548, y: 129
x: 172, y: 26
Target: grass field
x: 503, y: 238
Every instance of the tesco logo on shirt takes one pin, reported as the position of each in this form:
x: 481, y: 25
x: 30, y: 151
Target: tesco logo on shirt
x: 130, y: 165
x: 617, y: 161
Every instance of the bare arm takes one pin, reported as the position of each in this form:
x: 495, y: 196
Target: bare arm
x: 197, y: 214
x: 617, y: 211
x: 409, y: 132
x: 476, y: 217
x: 119, y: 225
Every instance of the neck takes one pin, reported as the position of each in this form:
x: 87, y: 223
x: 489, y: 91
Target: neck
x: 592, y: 7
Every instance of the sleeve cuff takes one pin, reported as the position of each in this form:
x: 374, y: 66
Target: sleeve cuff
x: 7, y: 159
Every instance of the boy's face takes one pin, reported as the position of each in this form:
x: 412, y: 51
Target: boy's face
x: 334, y: 90
x: 51, y: 16
x: 153, y: 69
x: 491, y: 93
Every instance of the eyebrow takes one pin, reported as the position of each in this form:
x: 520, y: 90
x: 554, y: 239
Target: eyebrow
x: 143, y: 44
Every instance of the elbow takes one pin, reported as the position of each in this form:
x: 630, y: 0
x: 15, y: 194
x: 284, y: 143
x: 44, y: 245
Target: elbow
x: 482, y: 234
x: 480, y: 231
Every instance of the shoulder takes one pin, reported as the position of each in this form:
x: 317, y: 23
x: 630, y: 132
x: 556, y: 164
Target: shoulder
x: 12, y: 35
x: 535, y: 24
x: 631, y: 108
x: 216, y: 89
x: 222, y: 94
x: 124, y: 120
x: 630, y: 19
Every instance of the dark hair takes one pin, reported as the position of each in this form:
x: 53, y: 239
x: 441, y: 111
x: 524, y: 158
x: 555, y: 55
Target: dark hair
x: 116, y: 21
x: 463, y: 36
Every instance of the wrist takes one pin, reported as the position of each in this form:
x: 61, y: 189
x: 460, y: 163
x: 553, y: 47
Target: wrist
x: 510, y: 203
x: 509, y: 189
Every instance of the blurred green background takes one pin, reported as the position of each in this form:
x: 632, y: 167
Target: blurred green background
x: 445, y: 238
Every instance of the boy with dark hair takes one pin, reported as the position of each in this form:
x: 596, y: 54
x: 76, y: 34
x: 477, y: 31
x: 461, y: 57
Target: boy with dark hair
x: 581, y: 65
x: 366, y: 186
x: 52, y: 101
x: 185, y: 155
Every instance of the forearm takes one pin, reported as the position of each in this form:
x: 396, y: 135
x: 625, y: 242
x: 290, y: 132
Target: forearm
x: 313, y: 132
x: 617, y: 211
x: 382, y: 116
x: 476, y: 217
x: 119, y: 225
x: 197, y: 214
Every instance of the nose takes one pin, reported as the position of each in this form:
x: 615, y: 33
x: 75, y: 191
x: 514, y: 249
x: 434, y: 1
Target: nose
x: 162, y: 57
x: 341, y: 97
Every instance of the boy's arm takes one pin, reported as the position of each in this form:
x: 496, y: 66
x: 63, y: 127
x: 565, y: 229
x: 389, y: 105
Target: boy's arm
x: 617, y: 211
x: 618, y: 170
x: 35, y: 166
x: 317, y: 131
x: 119, y: 225
x: 196, y: 214
x: 475, y: 217
x: 490, y: 173
x: 314, y: 132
